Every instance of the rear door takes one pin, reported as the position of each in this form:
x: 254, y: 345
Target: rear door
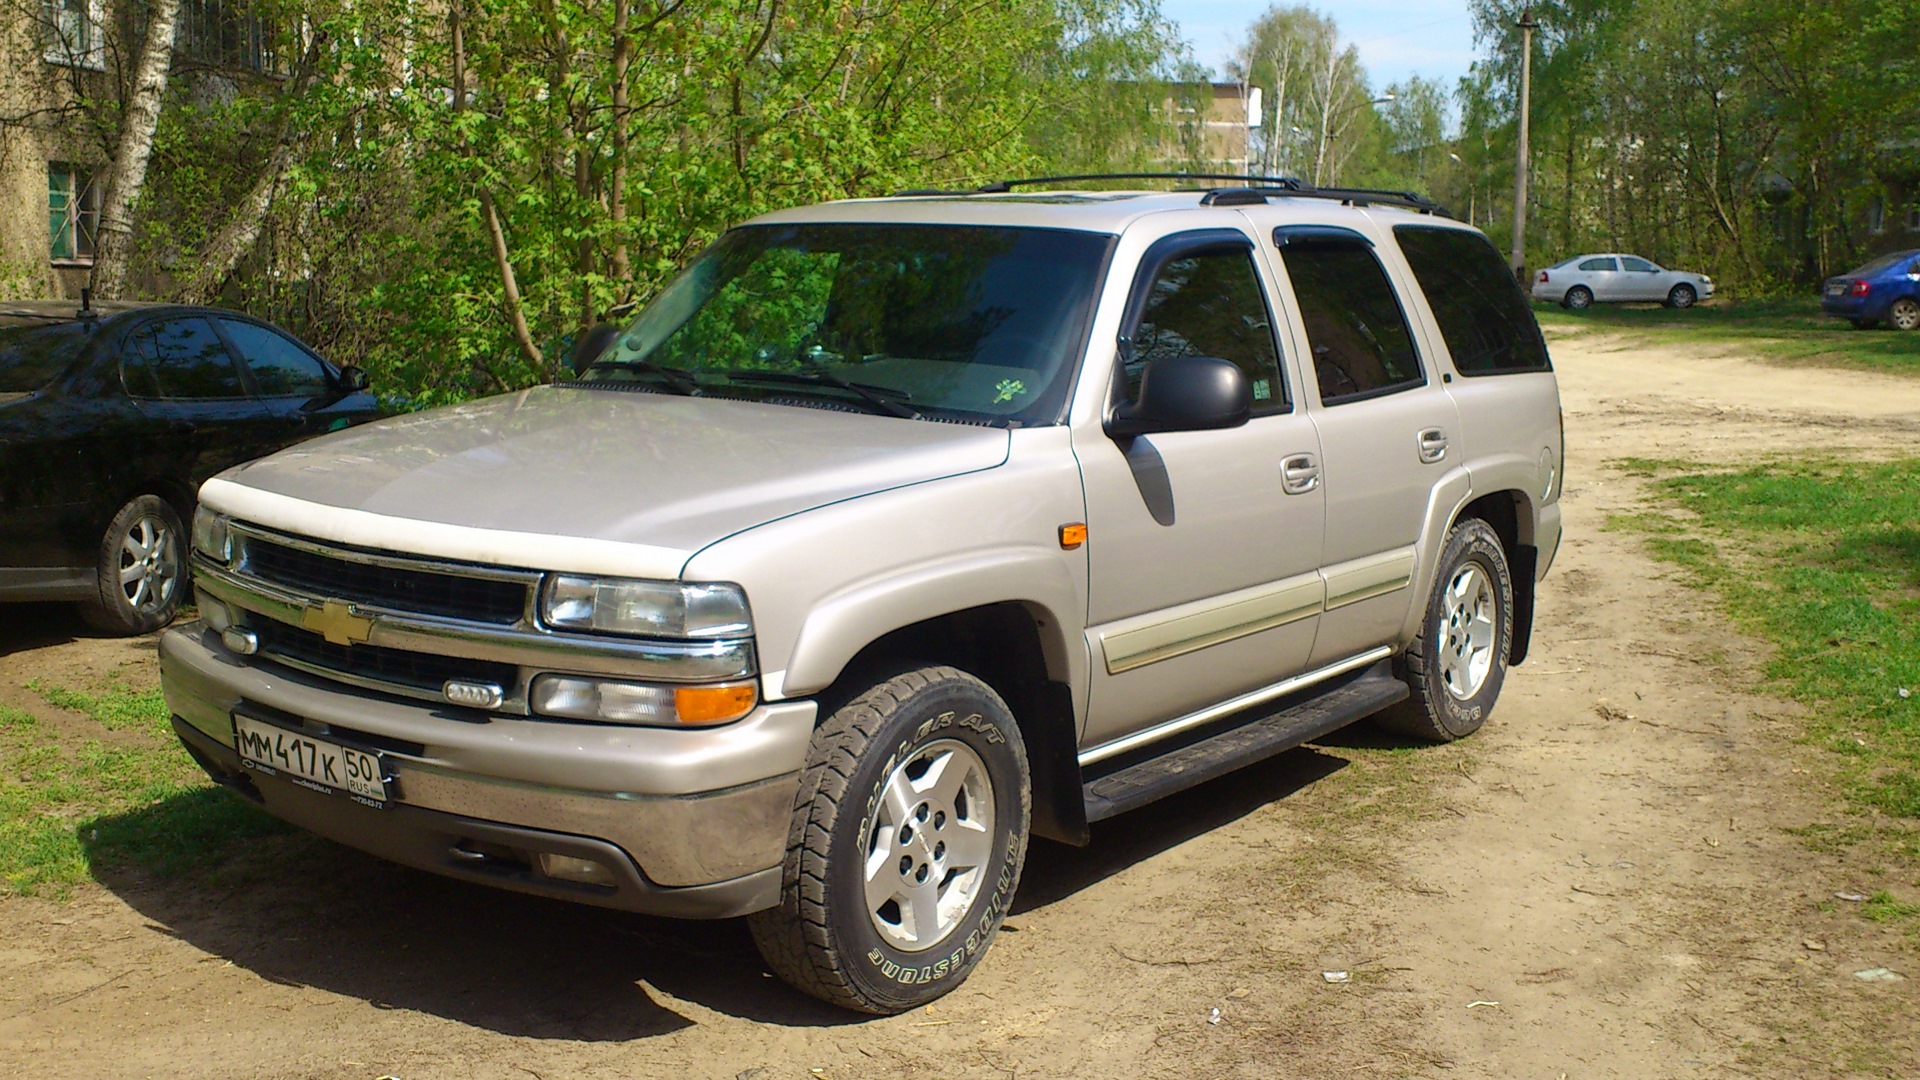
x: 1385, y: 426
x: 201, y: 416
x: 1602, y: 275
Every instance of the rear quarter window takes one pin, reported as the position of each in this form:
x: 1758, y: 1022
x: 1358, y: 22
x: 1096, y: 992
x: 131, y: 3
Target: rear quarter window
x: 1485, y: 321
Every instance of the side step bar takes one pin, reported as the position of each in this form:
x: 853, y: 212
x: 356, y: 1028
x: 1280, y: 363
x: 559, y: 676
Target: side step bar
x: 1257, y: 734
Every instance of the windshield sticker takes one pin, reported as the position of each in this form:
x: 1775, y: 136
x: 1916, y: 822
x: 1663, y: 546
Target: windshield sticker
x: 1262, y: 390
x: 1009, y: 389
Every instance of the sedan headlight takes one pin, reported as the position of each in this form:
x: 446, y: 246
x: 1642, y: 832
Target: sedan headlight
x: 645, y: 608
x: 210, y: 536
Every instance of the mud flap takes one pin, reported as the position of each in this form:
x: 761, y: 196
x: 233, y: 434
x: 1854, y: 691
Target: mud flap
x: 1524, y: 559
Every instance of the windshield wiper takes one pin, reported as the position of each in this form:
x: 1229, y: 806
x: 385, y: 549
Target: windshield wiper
x: 677, y: 380
x: 883, y: 399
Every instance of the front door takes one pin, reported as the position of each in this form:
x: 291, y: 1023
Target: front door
x: 1203, y: 544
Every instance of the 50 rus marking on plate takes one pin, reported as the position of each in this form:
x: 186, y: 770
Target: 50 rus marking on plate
x: 310, y: 762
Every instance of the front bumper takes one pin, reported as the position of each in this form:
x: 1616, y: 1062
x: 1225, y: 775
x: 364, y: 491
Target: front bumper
x: 693, y: 823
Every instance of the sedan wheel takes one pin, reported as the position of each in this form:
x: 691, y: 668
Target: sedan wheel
x: 140, y: 570
x: 1904, y: 314
x: 1681, y: 296
x: 1579, y: 298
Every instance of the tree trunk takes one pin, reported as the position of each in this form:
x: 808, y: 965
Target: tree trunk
x: 496, y: 234
x: 622, y: 269
x: 214, y: 263
x: 128, y: 173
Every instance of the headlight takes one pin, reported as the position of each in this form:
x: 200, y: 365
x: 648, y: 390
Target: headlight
x: 210, y: 537
x: 618, y: 702
x: 647, y: 608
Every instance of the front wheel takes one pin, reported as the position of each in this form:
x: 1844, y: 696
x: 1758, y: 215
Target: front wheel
x: 1578, y: 298
x: 1904, y: 314
x: 906, y: 844
x: 1681, y: 296
x: 140, y: 583
x: 1458, y: 661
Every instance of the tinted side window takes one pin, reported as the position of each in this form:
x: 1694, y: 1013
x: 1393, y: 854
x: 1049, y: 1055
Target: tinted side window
x: 1358, y: 333
x: 1597, y: 264
x: 1483, y: 317
x: 280, y: 367
x: 1211, y: 304
x: 180, y: 358
x: 1638, y: 265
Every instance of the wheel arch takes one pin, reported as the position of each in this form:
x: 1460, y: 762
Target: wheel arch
x: 1006, y: 645
x: 1510, y: 512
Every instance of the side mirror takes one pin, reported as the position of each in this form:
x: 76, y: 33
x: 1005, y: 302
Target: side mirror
x: 1185, y: 393
x: 589, y: 344
x: 352, y: 379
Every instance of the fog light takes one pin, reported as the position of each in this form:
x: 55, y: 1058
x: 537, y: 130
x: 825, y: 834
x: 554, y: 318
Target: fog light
x: 568, y: 868
x: 240, y: 641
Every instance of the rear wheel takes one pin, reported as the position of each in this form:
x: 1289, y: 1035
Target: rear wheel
x: 1458, y: 661
x: 1681, y: 296
x: 1904, y: 314
x: 1579, y: 298
x: 140, y: 583
x: 907, y: 839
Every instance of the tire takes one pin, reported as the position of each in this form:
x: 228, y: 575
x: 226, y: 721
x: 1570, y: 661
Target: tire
x: 1578, y: 298
x: 847, y: 929
x: 141, y: 570
x: 1904, y: 314
x: 1681, y: 296
x: 1455, y: 679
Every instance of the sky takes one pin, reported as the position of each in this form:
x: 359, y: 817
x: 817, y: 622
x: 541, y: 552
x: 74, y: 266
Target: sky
x: 1396, y: 38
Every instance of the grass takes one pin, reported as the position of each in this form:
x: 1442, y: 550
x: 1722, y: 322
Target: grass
x: 73, y: 808
x: 1822, y: 560
x: 1792, y: 330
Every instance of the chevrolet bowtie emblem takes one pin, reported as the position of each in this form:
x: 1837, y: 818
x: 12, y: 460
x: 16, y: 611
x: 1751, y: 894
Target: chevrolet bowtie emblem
x: 338, y: 622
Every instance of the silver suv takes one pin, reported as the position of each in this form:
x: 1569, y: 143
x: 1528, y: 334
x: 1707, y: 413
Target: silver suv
x: 889, y: 534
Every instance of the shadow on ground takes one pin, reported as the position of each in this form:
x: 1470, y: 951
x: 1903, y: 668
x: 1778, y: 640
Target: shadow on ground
x: 300, y: 911
x: 36, y: 626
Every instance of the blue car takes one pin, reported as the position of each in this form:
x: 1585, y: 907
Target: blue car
x: 1885, y: 290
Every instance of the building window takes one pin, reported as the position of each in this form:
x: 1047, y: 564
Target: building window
x: 226, y: 34
x: 73, y: 212
x: 73, y: 29
x: 1877, y: 216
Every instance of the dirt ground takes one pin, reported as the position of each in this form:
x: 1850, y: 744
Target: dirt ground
x: 1600, y: 884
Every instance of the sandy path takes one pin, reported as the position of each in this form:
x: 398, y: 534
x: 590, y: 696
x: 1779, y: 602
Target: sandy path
x: 1606, y: 862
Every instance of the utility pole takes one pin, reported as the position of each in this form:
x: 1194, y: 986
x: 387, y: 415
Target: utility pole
x: 1519, y: 260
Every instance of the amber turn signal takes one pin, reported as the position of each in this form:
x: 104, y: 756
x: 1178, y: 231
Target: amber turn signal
x: 1072, y: 536
x: 714, y: 704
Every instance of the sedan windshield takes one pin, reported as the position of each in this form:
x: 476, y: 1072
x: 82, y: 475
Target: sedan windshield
x: 904, y: 320
x: 31, y: 356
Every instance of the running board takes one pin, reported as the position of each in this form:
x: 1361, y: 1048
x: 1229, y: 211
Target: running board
x: 1259, y: 733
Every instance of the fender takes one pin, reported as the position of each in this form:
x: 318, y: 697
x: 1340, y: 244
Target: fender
x: 837, y: 628
x: 1511, y: 473
x: 1452, y: 492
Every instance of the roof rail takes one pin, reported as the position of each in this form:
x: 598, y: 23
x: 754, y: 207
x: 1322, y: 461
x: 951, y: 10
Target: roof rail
x: 1249, y: 188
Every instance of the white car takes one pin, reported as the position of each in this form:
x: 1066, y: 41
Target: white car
x: 1584, y: 280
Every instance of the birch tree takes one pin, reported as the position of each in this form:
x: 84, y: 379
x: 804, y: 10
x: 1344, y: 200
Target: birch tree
x: 127, y: 176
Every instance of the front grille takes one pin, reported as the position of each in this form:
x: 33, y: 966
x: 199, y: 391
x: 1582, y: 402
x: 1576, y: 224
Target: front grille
x: 424, y: 592
x: 399, y: 667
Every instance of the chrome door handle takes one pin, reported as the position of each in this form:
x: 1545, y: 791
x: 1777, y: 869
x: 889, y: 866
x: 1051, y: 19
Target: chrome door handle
x: 1433, y: 445
x: 1299, y: 474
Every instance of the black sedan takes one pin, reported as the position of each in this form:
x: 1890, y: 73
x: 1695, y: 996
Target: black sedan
x: 111, y: 417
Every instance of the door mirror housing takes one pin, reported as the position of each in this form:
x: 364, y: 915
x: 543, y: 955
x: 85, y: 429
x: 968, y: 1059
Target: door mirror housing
x: 589, y: 343
x: 352, y: 379
x: 1185, y: 393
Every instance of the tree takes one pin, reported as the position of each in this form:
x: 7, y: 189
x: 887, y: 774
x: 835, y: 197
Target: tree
x: 127, y: 175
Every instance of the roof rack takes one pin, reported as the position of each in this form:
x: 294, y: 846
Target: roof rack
x: 1248, y: 189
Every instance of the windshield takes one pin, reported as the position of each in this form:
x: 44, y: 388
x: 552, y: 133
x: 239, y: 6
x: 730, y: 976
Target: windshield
x: 1881, y: 263
x: 908, y: 320
x: 31, y: 356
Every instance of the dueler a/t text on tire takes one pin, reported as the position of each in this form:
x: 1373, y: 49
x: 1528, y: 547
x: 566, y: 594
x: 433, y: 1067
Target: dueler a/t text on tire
x: 908, y: 835
x: 1458, y: 660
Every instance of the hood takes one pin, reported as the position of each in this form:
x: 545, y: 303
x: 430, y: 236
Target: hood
x: 672, y: 474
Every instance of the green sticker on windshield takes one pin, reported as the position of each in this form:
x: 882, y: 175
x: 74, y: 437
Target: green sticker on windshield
x: 1262, y: 390
x: 1009, y: 389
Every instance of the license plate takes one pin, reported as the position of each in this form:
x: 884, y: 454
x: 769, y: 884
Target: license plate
x: 312, y: 763
x: 1836, y: 290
